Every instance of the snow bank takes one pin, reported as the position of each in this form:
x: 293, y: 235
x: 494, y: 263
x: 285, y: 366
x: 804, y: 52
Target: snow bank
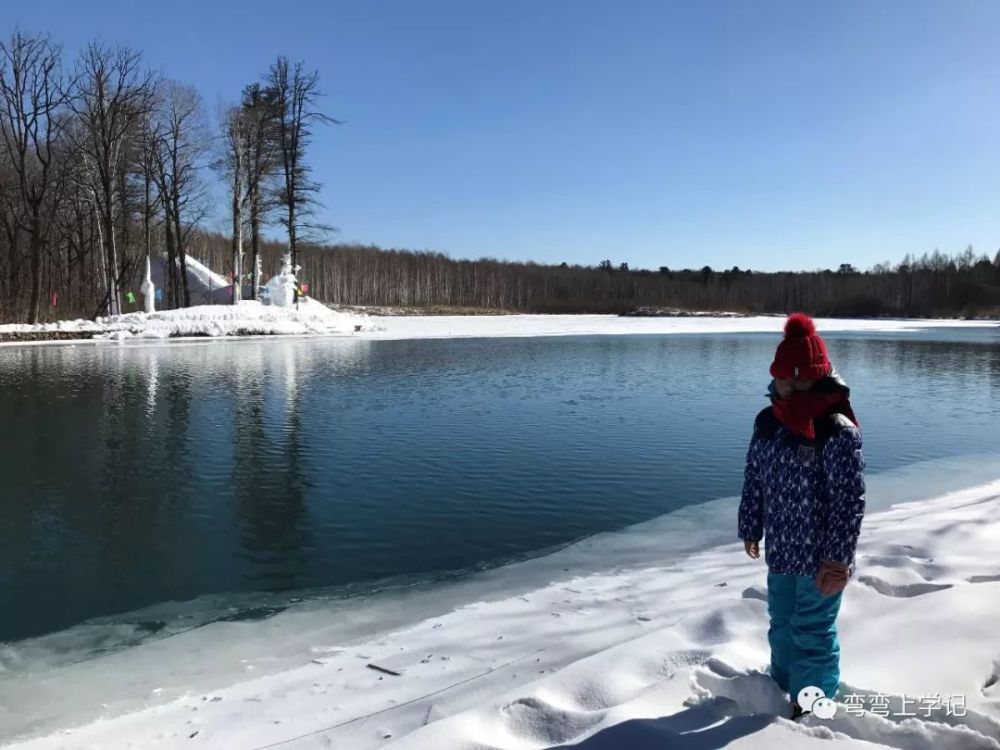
x: 664, y: 656
x: 248, y: 318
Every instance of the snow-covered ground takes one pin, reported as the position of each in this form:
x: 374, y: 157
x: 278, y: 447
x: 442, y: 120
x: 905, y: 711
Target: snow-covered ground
x: 249, y: 318
x: 466, y: 326
x: 314, y: 318
x: 666, y: 656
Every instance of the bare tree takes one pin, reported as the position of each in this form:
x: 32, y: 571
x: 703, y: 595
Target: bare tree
x: 145, y: 168
x: 259, y: 130
x: 248, y: 163
x: 182, y: 151
x: 233, y: 165
x: 10, y: 211
x: 115, y: 95
x: 32, y: 119
x: 294, y: 92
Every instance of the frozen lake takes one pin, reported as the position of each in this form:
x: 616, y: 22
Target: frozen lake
x: 142, y: 474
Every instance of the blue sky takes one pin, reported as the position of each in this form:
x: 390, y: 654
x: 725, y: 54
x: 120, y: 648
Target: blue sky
x: 762, y: 134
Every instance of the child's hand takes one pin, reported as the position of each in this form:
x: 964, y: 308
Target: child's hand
x: 832, y: 577
x: 752, y: 547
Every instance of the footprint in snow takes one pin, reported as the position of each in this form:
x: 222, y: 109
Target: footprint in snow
x: 901, y: 590
x: 983, y: 579
x: 939, y: 731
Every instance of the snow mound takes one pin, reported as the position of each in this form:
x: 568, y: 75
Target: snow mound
x: 248, y: 318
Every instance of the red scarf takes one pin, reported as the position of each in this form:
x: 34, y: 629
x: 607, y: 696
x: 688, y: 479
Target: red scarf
x: 800, y: 412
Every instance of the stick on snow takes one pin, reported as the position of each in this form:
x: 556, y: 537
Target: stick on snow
x: 377, y: 668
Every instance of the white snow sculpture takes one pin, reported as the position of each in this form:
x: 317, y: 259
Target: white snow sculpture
x: 281, y: 287
x: 148, y: 291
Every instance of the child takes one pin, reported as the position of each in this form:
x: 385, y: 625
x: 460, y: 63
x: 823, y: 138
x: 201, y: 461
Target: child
x: 804, y: 494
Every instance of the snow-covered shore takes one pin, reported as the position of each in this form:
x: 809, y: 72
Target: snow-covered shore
x: 468, y: 326
x: 249, y: 318
x: 654, y: 657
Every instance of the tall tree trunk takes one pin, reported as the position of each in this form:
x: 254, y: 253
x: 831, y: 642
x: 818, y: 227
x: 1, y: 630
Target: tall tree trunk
x: 110, y: 248
x: 12, y: 259
x: 292, y: 240
x: 35, y: 250
x: 101, y: 260
x: 114, y: 298
x: 181, y: 255
x: 254, y: 239
x: 237, y: 235
x: 173, y: 287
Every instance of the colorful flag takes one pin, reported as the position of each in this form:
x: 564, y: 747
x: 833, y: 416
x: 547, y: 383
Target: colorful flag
x: 159, y: 294
x: 305, y: 289
x: 131, y: 298
x: 55, y: 298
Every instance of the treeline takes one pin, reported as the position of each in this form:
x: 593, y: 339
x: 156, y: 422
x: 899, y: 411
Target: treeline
x: 104, y: 163
x: 933, y: 285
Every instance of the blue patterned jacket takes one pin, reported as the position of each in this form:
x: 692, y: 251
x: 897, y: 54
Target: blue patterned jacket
x: 804, y: 498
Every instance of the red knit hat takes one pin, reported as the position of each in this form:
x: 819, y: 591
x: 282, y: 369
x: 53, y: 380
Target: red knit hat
x: 802, y: 353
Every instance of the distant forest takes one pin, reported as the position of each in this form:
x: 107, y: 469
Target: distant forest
x: 932, y: 285
x: 104, y: 163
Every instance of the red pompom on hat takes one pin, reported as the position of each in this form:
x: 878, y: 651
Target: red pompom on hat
x: 802, y: 353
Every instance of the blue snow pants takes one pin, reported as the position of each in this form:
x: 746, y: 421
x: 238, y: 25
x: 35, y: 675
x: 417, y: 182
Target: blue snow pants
x: 803, y: 635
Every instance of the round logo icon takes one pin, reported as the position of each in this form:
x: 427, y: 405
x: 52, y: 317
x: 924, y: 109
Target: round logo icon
x: 808, y: 696
x: 824, y: 708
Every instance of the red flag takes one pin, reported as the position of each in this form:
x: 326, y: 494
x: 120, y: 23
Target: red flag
x: 305, y: 289
x: 55, y: 298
